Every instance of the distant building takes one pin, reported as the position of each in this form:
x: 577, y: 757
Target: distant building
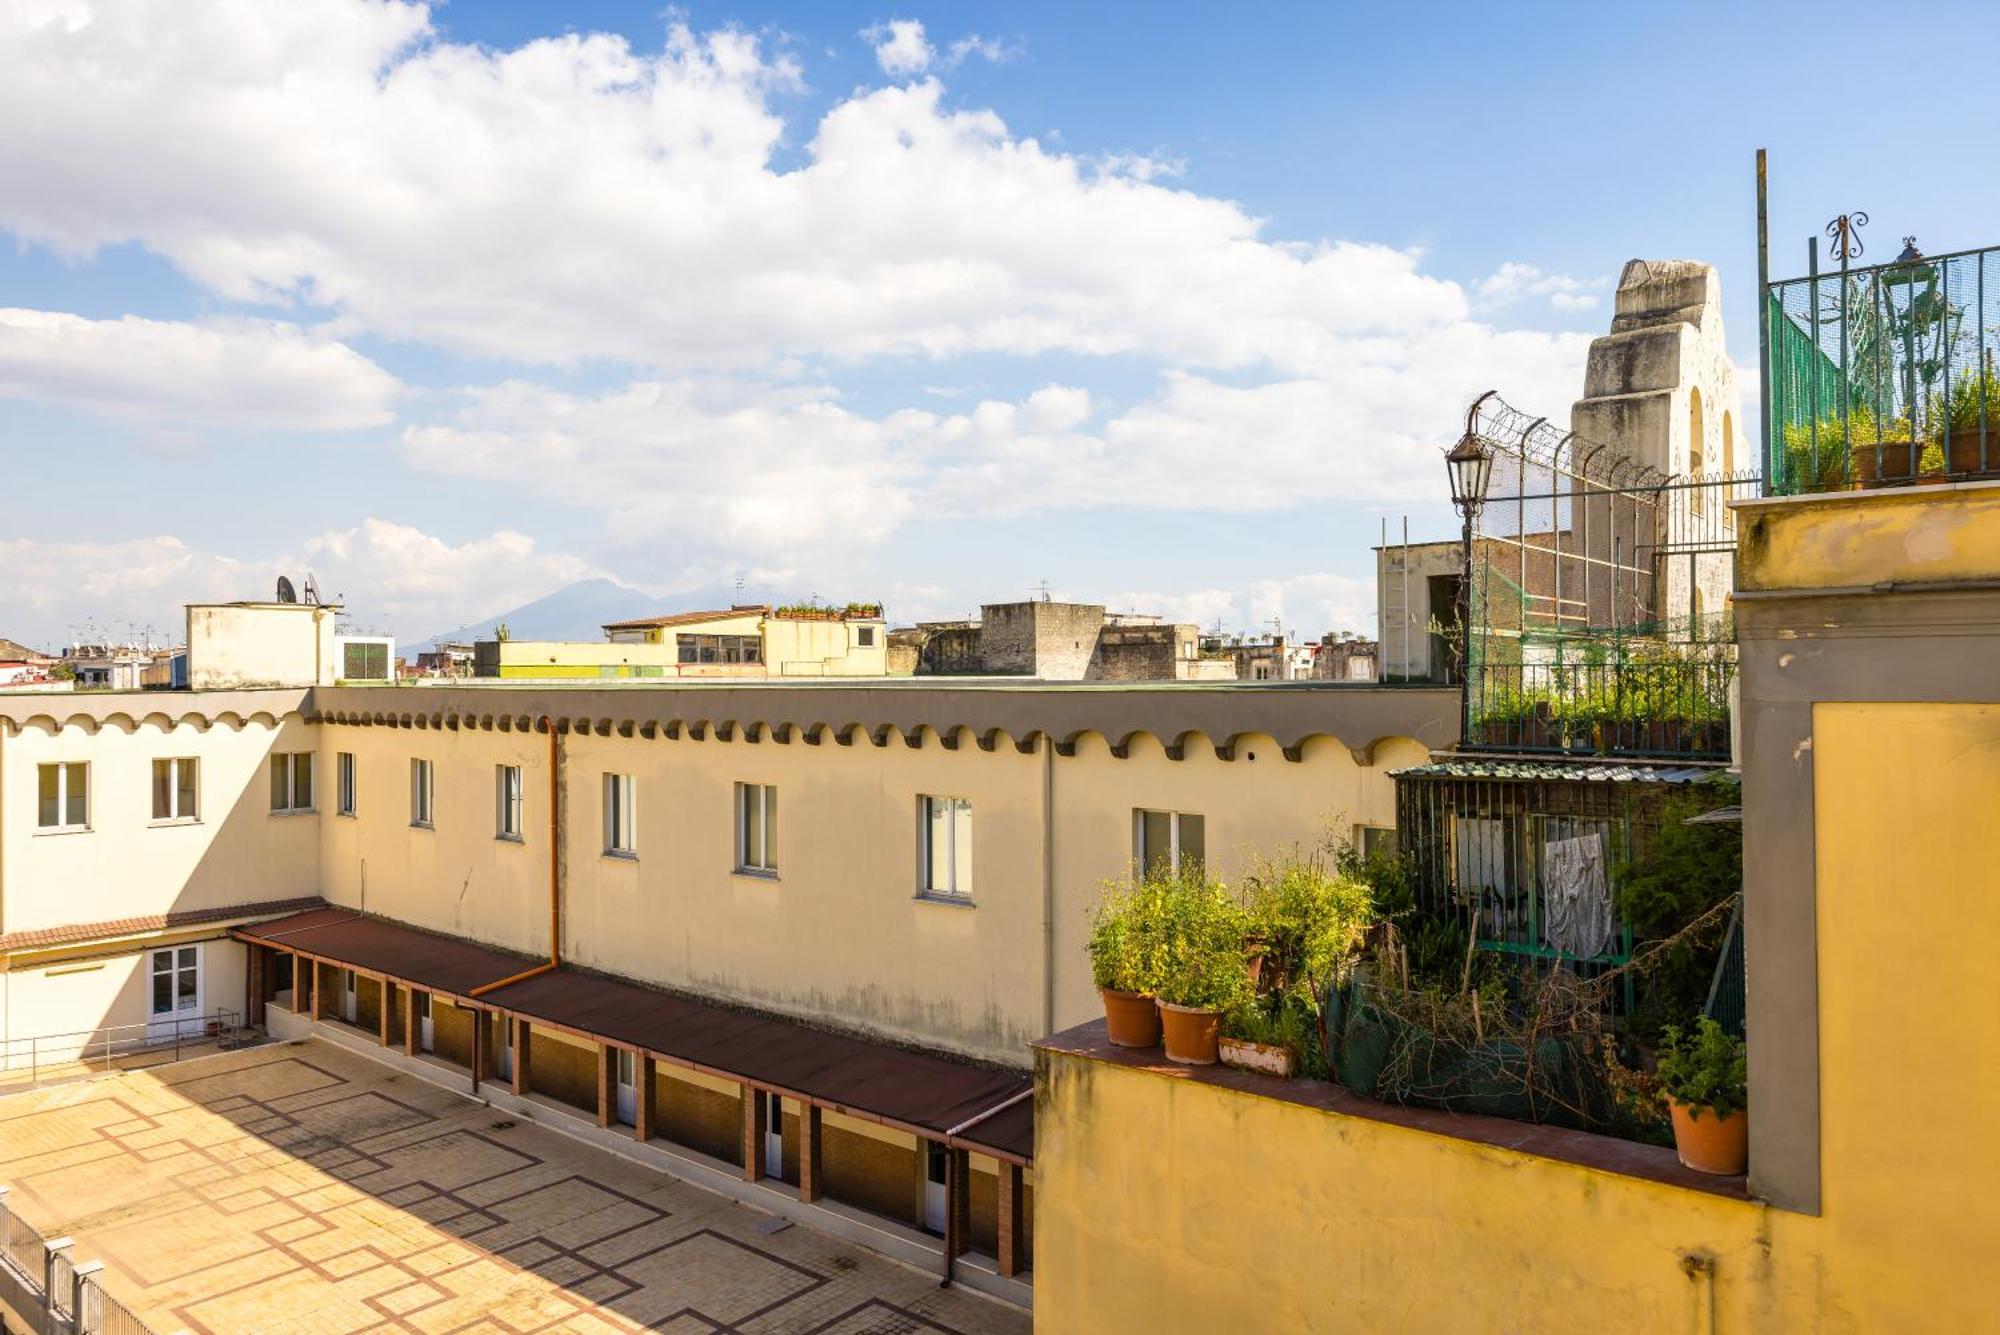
x: 1266, y: 658
x: 752, y: 640
x: 22, y: 666
x: 1053, y: 641
x: 115, y: 667
x: 1340, y: 656
x: 446, y: 658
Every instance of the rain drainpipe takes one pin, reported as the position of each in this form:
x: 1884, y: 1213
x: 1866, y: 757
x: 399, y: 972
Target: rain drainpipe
x: 555, y: 881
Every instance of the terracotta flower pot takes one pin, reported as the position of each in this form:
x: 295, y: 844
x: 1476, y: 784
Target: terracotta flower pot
x: 1711, y: 1144
x: 1191, y: 1034
x: 1130, y: 1020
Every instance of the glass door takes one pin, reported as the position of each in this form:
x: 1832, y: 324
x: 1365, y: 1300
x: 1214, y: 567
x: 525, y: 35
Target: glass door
x: 175, y: 996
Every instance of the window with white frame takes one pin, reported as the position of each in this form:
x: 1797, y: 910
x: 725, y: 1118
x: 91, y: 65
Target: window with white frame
x: 507, y: 802
x: 944, y: 831
x: 756, y: 827
x: 1169, y: 839
x: 618, y: 815
x: 64, y: 796
x: 174, y: 788
x: 1373, y: 841
x: 292, y: 781
x: 422, y: 794
x: 344, y: 767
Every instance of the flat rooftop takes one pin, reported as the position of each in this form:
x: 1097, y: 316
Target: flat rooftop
x: 302, y: 1187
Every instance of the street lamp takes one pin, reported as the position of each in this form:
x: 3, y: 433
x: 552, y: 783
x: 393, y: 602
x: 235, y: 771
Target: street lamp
x: 1910, y: 272
x: 1470, y: 465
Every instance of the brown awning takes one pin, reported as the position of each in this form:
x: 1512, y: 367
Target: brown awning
x: 424, y: 959
x: 929, y: 1093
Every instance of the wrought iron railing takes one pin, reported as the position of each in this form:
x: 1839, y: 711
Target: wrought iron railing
x: 39, y: 1275
x: 59, y: 1056
x: 1883, y: 374
x: 1671, y: 702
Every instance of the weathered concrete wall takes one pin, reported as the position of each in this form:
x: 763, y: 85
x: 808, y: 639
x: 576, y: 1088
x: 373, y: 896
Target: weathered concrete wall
x: 236, y: 645
x: 1053, y: 641
x: 1143, y: 653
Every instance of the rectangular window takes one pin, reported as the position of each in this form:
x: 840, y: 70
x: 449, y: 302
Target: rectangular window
x: 507, y: 801
x: 174, y: 788
x: 865, y: 636
x: 945, y: 830
x: 64, y: 793
x: 618, y: 814
x: 422, y: 794
x: 292, y: 781
x: 1374, y: 840
x: 1169, y: 839
x: 364, y: 661
x: 344, y: 767
x: 756, y: 827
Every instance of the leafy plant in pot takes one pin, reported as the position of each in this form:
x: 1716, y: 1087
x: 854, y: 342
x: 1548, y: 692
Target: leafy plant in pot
x: 1124, y: 960
x: 1704, y: 1074
x: 1202, y: 973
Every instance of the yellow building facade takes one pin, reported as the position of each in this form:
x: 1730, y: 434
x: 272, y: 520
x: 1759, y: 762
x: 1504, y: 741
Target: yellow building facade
x: 1174, y: 1200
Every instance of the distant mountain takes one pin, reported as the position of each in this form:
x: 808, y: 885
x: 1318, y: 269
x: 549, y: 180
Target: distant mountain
x: 574, y: 612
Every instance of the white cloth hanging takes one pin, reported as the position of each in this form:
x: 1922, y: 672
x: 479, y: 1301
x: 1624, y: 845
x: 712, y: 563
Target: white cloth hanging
x: 1576, y: 896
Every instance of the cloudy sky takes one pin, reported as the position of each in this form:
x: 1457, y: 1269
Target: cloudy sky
x: 1169, y: 307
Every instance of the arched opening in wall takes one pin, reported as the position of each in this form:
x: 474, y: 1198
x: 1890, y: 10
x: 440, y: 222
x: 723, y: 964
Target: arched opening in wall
x: 1694, y: 447
x: 1728, y: 443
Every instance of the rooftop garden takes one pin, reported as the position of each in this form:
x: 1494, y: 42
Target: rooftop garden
x: 1317, y: 964
x: 1646, y: 696
x: 828, y: 611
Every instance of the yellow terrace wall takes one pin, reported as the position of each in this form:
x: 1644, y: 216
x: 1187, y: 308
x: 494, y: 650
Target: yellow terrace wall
x: 581, y: 658
x: 808, y: 648
x: 1858, y: 539
x: 840, y: 933
x: 1167, y: 1204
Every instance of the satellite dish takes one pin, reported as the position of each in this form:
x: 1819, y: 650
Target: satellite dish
x: 312, y: 589
x: 285, y: 592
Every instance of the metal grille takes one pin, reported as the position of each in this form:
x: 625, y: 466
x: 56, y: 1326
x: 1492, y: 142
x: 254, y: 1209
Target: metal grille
x: 1598, y: 598
x: 1725, y: 993
x: 1882, y: 374
x: 23, y: 1246
x: 105, y: 1315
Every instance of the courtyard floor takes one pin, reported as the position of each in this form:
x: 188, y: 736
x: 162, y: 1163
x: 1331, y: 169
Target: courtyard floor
x: 299, y: 1187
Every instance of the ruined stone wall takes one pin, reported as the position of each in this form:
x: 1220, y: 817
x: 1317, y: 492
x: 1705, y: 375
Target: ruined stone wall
x: 1054, y: 641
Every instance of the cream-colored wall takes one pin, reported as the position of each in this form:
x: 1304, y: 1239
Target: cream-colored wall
x: 80, y: 993
x: 456, y: 877
x: 125, y: 865
x: 804, y: 648
x: 260, y: 644
x: 564, y: 658
x: 839, y: 934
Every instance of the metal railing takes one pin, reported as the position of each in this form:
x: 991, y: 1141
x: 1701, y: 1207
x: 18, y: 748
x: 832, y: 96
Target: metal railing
x: 1671, y: 705
x: 1883, y: 374
x: 56, y: 1056
x: 41, y: 1280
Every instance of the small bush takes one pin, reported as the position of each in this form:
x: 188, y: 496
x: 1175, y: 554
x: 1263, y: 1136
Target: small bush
x: 1706, y: 1069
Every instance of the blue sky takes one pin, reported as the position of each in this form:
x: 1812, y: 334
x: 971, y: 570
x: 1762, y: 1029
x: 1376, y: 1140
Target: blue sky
x: 1168, y: 306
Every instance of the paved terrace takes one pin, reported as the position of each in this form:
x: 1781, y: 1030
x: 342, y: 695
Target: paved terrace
x: 299, y: 1187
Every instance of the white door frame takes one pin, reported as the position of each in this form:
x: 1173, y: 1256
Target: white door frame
x: 774, y: 1134
x: 934, y: 1154
x: 350, y: 995
x: 161, y: 1025
x: 625, y: 1078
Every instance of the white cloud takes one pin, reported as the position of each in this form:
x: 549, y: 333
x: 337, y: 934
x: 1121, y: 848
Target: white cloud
x: 392, y: 574
x: 246, y: 373
x: 901, y: 47
x: 1306, y: 606
x: 990, y: 49
x: 574, y: 198
x: 1515, y: 281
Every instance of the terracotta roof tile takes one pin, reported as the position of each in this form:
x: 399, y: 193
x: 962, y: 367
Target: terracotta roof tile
x: 65, y: 934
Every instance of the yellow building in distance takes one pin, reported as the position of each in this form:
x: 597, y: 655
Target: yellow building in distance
x: 753, y: 640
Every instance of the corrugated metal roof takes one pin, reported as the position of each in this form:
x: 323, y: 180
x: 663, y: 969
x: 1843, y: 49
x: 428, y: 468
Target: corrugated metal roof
x: 1557, y: 771
x: 929, y: 1091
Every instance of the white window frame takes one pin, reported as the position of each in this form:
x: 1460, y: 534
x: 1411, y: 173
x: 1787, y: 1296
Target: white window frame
x: 183, y: 959
x: 291, y: 762
x: 763, y: 859
x: 507, y: 803
x: 423, y: 794
x: 1174, y: 819
x: 927, y: 805
x: 174, y: 815
x: 344, y: 783
x: 65, y: 770
x: 619, y: 838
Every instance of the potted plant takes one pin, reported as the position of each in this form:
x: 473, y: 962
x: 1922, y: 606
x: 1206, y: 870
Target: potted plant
x: 1202, y: 970
x: 1703, y: 1074
x: 1259, y: 1037
x: 1124, y: 962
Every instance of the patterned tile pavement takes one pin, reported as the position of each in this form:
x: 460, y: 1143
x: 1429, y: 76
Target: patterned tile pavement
x: 299, y: 1187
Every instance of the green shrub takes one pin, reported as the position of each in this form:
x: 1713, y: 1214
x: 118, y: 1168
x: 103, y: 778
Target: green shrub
x: 1681, y: 872
x: 1706, y: 1069
x: 1309, y: 916
x: 1202, y: 931
x: 1125, y: 936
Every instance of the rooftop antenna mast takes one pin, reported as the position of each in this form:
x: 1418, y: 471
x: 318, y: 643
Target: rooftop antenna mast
x: 1043, y: 592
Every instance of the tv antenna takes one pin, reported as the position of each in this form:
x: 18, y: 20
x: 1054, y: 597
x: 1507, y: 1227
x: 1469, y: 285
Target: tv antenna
x: 311, y: 594
x: 1043, y: 592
